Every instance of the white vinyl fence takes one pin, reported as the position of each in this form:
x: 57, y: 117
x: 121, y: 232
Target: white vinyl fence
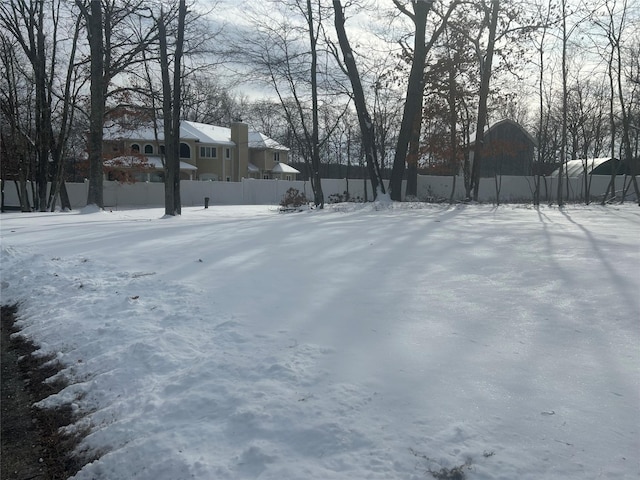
x: 519, y: 189
x: 270, y: 192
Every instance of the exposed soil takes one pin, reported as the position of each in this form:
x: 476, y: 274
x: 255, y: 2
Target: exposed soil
x: 32, y: 446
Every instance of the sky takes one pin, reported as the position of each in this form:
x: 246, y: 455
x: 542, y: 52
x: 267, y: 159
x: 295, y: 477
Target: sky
x: 362, y: 341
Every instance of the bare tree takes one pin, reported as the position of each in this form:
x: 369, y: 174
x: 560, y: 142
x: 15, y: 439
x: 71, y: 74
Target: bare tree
x: 72, y: 85
x: 205, y: 99
x: 410, y: 127
x: 415, y: 89
x: 171, y: 101
x: 285, y: 51
x: 367, y: 126
x: 17, y: 144
x: 545, y: 16
x: 485, y: 62
x: 93, y: 17
x: 25, y: 20
x: 113, y: 49
x: 37, y: 28
x: 613, y: 26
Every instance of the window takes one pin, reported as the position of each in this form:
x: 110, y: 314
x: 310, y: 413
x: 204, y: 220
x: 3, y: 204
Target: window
x: 135, y: 148
x: 162, y: 149
x: 148, y: 148
x: 208, y: 152
x: 228, y: 179
x: 289, y: 177
x: 185, y: 151
x: 265, y: 176
x: 227, y: 153
x: 276, y: 157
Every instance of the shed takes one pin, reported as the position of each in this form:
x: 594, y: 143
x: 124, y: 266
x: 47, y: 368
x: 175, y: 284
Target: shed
x: 594, y: 166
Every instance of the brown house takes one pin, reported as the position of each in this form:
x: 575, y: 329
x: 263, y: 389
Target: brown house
x: 207, y: 152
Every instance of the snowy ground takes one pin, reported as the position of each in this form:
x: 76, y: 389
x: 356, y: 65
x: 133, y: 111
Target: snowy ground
x: 350, y: 343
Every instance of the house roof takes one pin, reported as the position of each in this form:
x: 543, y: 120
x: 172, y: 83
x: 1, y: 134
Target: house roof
x: 284, y: 168
x: 156, y: 162
x: 205, y: 133
x: 143, y: 132
x: 201, y: 132
x: 153, y: 161
x: 260, y: 141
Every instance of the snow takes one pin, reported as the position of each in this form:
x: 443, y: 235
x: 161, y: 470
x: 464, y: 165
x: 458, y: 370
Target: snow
x: 284, y: 168
x: 261, y: 141
x: 378, y: 341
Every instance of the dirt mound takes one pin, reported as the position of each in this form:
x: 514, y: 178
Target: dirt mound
x: 32, y: 445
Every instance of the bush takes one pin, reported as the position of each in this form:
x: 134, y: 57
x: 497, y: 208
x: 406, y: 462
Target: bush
x: 293, y: 200
x: 344, y: 197
x: 456, y: 473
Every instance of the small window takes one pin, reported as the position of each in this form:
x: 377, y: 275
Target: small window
x: 228, y: 179
x: 185, y: 150
x: 289, y: 177
x: 276, y: 157
x: 227, y: 153
x: 162, y: 149
x: 135, y: 148
x: 148, y: 148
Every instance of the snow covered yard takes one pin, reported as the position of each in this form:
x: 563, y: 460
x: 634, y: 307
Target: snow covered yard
x: 351, y: 343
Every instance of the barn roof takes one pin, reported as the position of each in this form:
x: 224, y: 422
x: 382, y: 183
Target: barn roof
x: 504, y: 121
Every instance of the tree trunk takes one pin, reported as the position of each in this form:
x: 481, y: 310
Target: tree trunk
x: 563, y: 143
x: 453, y: 135
x: 97, y: 91
x: 611, y: 188
x: 415, y: 90
x: 171, y: 102
x: 484, y: 95
x: 626, y: 124
x: 537, y: 173
x: 318, y: 195
x: 367, y: 126
x: 43, y: 114
x: 414, y: 154
x: 177, y: 111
